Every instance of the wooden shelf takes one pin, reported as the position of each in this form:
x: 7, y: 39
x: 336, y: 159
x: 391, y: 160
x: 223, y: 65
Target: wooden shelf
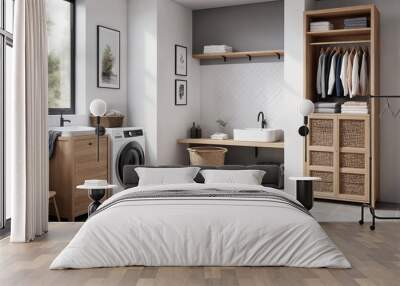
x: 341, y: 12
x: 237, y: 55
x: 205, y: 141
x: 340, y: 42
x: 342, y: 32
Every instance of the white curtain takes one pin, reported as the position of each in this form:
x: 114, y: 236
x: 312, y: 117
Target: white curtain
x: 26, y: 129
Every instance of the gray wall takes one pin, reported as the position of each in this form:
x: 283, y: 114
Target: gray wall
x: 244, y: 27
x: 390, y: 85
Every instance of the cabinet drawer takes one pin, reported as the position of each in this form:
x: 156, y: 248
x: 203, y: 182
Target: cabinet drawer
x: 85, y: 150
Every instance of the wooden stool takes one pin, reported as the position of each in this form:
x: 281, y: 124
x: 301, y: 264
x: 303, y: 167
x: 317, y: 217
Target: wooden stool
x: 52, y: 196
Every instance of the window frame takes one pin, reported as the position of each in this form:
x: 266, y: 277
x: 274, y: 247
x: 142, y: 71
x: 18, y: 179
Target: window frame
x: 71, y: 110
x: 6, y: 40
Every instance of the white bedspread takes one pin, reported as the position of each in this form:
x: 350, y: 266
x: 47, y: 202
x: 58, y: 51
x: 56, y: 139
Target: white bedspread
x: 202, y: 232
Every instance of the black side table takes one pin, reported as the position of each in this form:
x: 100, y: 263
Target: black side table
x: 96, y: 194
x: 304, y: 190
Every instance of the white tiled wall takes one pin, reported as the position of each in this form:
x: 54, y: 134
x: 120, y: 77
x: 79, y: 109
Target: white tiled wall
x: 236, y: 93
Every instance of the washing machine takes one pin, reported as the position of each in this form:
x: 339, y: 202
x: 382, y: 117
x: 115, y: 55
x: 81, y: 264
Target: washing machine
x: 127, y: 148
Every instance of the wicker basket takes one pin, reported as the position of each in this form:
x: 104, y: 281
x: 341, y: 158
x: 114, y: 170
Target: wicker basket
x: 352, y: 184
x: 321, y: 132
x: 107, y: 121
x: 352, y: 160
x: 207, y: 156
x: 318, y: 158
x: 352, y: 133
x: 326, y: 183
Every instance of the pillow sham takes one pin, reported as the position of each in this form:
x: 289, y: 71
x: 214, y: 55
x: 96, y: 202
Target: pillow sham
x: 166, y: 176
x: 248, y: 177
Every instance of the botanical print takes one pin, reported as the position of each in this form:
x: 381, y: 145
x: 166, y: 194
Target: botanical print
x: 180, y: 92
x: 108, y: 57
x: 180, y: 60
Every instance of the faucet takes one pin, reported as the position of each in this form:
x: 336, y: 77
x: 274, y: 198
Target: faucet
x: 62, y: 120
x: 263, y: 121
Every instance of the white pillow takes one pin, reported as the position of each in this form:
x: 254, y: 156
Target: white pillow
x: 166, y: 176
x: 248, y: 177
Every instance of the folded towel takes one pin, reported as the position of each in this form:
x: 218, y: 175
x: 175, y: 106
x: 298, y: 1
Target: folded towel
x: 355, y: 103
x: 217, y: 49
x: 355, y: 111
x: 355, y: 19
x: 327, y: 110
x: 320, y: 23
x: 53, y: 135
x: 326, y: 104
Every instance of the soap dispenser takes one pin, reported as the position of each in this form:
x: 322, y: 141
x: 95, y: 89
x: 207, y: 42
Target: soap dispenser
x: 198, y: 132
x: 193, y: 131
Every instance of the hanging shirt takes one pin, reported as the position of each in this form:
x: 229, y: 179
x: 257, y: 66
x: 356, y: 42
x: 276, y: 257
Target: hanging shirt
x: 364, y: 81
x: 355, y: 75
x: 343, y: 73
x: 349, y: 72
x: 323, y: 71
x: 328, y: 64
x: 319, y: 73
x: 332, y: 74
x: 338, y: 81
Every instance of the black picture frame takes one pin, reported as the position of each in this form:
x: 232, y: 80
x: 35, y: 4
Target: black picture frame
x: 179, y: 102
x: 177, y: 65
x: 99, y: 83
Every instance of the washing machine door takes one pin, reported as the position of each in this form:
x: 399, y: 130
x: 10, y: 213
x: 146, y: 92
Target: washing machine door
x: 130, y: 154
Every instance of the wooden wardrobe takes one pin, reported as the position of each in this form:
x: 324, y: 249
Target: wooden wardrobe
x: 343, y: 149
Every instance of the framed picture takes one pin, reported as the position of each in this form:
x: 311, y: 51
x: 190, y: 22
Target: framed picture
x: 180, y: 92
x: 108, y: 58
x: 180, y: 60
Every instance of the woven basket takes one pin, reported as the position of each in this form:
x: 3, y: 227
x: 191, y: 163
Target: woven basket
x: 352, y: 160
x: 321, y: 132
x: 352, y: 133
x: 318, y: 158
x: 352, y: 184
x: 207, y: 156
x: 107, y: 121
x: 326, y: 183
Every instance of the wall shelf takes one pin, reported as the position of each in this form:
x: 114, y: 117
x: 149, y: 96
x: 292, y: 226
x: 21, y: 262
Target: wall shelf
x: 237, y: 55
x: 205, y: 141
x: 341, y: 32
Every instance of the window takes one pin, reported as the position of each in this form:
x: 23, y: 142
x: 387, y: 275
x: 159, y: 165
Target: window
x: 6, y: 65
x: 61, y: 58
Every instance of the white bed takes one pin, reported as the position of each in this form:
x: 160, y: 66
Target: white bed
x: 206, y: 231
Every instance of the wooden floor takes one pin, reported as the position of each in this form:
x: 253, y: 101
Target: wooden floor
x: 375, y: 257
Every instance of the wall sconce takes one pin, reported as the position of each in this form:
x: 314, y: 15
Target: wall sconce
x: 306, y: 108
x: 98, y: 108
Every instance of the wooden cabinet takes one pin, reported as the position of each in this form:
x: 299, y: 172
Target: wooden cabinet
x: 338, y: 152
x: 74, y: 161
x: 343, y: 149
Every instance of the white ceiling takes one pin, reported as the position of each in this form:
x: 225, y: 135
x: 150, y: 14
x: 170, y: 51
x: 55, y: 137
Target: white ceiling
x: 204, y: 4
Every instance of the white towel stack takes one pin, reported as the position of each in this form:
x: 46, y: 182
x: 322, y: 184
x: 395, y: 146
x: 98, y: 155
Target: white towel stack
x: 355, y: 107
x: 321, y: 26
x: 212, y: 49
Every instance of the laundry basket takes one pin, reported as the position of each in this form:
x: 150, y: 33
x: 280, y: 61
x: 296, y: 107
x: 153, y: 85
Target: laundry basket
x: 207, y: 156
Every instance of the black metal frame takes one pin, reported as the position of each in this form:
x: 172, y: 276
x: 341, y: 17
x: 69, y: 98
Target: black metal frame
x: 176, y: 102
x: 7, y: 40
x: 71, y: 110
x: 98, y: 57
x: 370, y: 204
x: 176, y: 58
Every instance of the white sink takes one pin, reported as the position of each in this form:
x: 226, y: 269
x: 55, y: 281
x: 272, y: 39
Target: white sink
x: 68, y: 131
x: 258, y: 134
